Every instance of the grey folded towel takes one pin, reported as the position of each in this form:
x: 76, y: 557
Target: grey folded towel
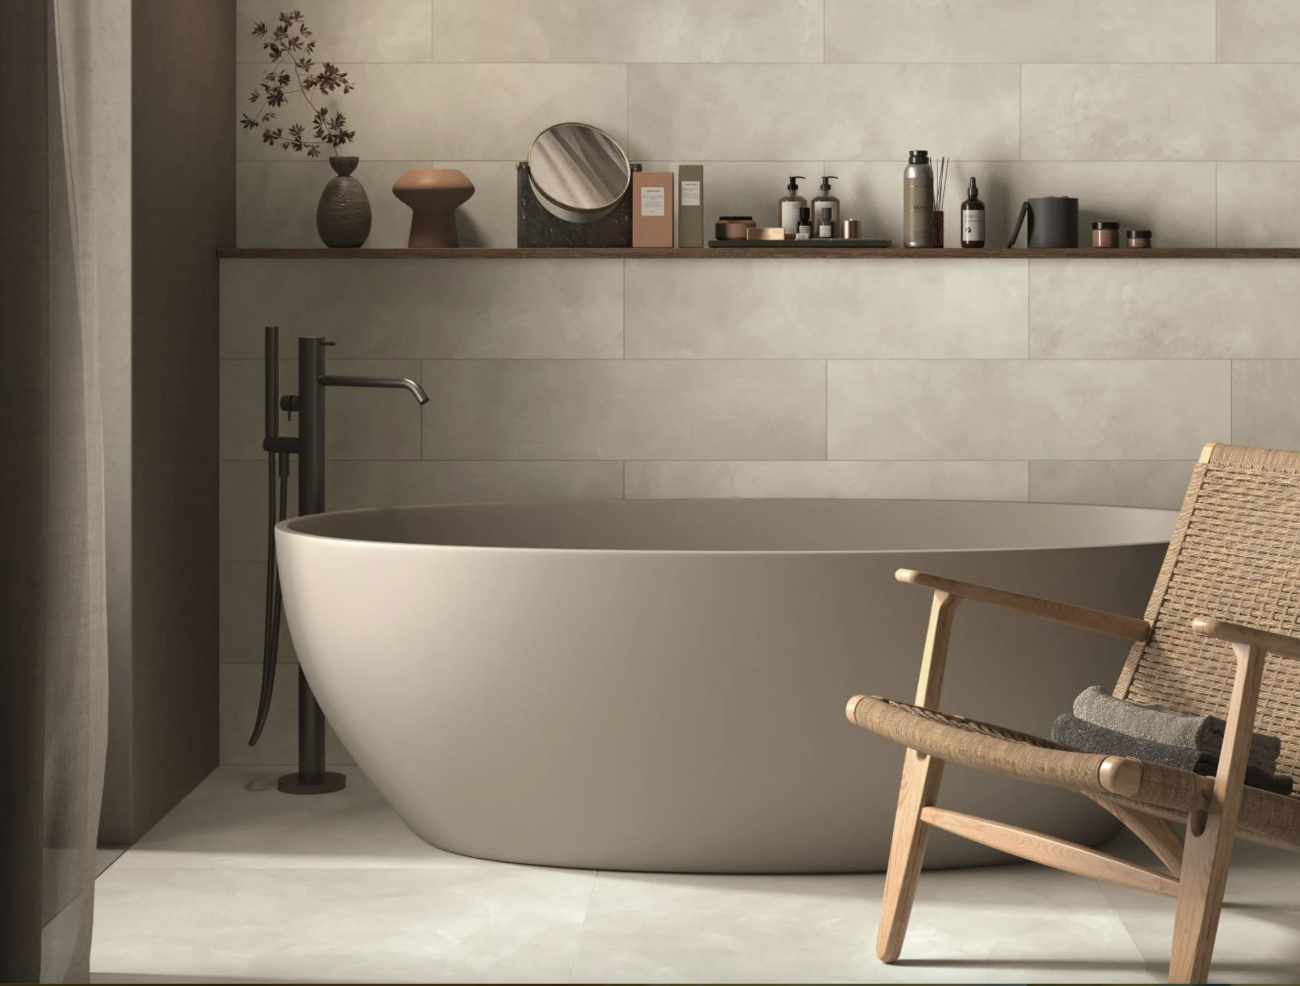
x: 1086, y: 737
x: 1155, y: 722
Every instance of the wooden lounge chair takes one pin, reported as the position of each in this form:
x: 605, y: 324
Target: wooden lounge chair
x: 1220, y: 636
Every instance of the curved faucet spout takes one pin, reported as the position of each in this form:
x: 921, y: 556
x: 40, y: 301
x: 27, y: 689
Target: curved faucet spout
x: 396, y: 383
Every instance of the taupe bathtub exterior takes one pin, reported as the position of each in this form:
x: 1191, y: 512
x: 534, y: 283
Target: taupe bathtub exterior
x: 660, y: 685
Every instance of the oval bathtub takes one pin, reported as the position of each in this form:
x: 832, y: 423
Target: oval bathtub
x: 660, y: 685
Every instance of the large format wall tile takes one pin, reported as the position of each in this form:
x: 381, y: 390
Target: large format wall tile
x: 345, y: 31
x: 241, y: 684
x: 277, y: 202
x: 431, y: 309
x: 1121, y: 483
x: 427, y: 112
x: 625, y: 409
x: 1163, y: 309
x: 903, y: 480
x: 817, y: 309
x: 1266, y: 403
x: 627, y: 31
x: 1176, y: 199
x: 1160, y: 113
x: 1259, y: 204
x: 1259, y: 31
x: 359, y: 423
x: 863, y: 112
x: 1025, y: 409
x: 351, y: 485
x: 1019, y: 31
x: 243, y: 513
x: 243, y: 615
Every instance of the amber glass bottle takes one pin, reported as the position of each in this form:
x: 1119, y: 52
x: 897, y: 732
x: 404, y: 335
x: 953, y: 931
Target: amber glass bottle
x: 972, y: 218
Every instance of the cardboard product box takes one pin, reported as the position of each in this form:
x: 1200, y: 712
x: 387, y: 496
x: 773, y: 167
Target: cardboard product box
x: 652, y: 209
x: 690, y: 205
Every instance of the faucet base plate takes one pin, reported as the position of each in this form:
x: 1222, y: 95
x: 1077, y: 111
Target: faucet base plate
x: 294, y: 784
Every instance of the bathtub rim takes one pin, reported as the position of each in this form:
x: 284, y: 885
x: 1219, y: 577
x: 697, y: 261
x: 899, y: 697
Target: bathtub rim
x: 288, y: 528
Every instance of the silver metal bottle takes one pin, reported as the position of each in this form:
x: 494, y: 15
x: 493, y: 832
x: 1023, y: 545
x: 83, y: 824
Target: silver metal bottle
x: 918, y: 201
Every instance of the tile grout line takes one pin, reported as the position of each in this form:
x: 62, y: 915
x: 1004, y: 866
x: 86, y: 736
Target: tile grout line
x: 582, y: 932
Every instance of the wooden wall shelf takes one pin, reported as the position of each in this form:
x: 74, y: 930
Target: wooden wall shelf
x: 750, y: 253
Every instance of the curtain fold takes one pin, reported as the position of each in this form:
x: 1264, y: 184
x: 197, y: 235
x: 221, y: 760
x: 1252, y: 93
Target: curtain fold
x: 53, y: 694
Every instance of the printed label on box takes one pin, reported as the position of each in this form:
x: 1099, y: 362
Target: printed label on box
x: 690, y: 193
x: 652, y: 201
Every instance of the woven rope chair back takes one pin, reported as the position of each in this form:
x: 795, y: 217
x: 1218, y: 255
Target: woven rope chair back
x: 1235, y: 556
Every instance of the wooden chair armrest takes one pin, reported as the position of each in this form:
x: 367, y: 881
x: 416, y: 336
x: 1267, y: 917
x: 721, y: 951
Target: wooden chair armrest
x: 1273, y: 643
x: 1128, y: 627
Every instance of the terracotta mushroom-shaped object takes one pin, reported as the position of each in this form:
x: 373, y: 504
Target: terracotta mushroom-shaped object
x: 433, y: 194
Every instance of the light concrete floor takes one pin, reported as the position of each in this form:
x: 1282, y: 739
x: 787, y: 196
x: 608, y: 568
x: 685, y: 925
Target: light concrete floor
x: 242, y: 884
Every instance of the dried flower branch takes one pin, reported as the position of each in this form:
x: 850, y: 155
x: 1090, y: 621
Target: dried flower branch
x: 292, y: 39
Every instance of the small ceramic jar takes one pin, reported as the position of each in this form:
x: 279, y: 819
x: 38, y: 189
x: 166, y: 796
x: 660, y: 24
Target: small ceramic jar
x: 1139, y: 239
x: 1105, y: 234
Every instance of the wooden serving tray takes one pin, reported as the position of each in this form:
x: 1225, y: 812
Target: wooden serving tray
x: 803, y: 244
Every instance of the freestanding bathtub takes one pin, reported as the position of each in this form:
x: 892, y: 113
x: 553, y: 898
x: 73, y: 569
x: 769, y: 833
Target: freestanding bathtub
x: 660, y: 685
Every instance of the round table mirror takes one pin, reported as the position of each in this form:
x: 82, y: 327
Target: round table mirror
x: 579, y: 172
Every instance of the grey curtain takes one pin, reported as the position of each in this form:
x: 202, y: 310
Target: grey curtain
x: 53, y: 634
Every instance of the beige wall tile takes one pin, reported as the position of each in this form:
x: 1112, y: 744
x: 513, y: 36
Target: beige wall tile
x: 1019, y: 31
x: 432, y: 309
x: 1113, y: 483
x: 243, y: 615
x: 345, y: 31
x: 1176, y: 199
x: 750, y: 112
x: 1259, y: 31
x: 1026, y: 409
x: 627, y: 31
x: 905, y: 480
x: 241, y: 684
x: 1259, y: 204
x: 1160, y: 112
x: 352, y: 485
x: 1164, y: 309
x: 617, y: 409
x: 426, y: 112
x: 359, y: 423
x: 243, y: 511
x: 809, y: 309
x: 1266, y: 403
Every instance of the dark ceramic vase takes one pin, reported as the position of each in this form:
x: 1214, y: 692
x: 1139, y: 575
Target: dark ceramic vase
x: 343, y: 215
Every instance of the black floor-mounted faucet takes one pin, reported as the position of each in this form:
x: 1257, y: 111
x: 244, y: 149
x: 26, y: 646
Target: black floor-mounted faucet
x: 309, y: 446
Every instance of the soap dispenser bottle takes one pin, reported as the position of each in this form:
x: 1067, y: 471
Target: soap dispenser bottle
x: 918, y: 201
x: 789, y: 207
x: 823, y: 202
x: 972, y: 218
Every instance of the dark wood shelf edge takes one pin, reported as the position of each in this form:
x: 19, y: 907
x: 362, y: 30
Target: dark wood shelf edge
x: 749, y: 253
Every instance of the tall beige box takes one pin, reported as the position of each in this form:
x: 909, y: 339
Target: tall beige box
x: 652, y: 208
x: 690, y: 205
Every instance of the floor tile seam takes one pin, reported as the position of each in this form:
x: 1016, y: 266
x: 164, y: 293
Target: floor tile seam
x: 582, y: 931
x: 1156, y: 971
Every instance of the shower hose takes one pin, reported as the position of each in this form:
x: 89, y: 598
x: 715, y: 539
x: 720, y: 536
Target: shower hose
x: 277, y: 509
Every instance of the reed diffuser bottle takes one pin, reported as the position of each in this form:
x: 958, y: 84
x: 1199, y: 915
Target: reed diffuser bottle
x: 918, y: 201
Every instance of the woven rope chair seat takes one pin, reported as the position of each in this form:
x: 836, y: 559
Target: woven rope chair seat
x: 1165, y: 790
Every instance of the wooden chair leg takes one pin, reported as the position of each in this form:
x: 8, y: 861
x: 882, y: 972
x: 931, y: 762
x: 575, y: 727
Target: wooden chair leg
x: 1200, y: 900
x: 1207, y: 848
x: 921, y: 776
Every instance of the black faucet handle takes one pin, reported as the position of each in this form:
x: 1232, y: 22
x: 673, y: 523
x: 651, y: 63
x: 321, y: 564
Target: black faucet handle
x: 289, y: 403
